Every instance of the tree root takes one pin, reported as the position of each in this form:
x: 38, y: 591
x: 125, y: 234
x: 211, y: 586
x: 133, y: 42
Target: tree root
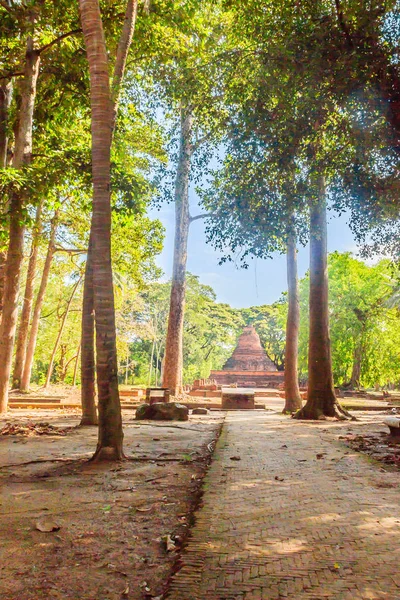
x: 312, y: 413
x: 88, y: 421
x: 107, y: 454
x: 43, y: 460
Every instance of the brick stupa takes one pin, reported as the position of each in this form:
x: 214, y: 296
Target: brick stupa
x: 249, y: 366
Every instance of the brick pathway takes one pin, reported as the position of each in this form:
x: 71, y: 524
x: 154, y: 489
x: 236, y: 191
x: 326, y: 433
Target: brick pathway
x: 330, y: 529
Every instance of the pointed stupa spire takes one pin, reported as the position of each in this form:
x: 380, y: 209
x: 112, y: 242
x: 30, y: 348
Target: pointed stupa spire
x: 249, y: 355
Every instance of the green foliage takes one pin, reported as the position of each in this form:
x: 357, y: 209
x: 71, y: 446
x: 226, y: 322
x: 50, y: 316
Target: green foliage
x: 360, y: 318
x: 210, y: 331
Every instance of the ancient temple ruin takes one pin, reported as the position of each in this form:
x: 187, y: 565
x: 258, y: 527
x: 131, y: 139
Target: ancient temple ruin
x: 249, y: 366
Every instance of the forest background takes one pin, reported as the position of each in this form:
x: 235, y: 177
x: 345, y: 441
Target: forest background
x: 56, y: 208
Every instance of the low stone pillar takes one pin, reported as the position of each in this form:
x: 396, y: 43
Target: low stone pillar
x: 157, y: 394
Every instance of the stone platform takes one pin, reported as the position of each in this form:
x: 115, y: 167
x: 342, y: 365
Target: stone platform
x: 252, y: 379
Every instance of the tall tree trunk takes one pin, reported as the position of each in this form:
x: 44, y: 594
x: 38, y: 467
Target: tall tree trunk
x: 78, y: 355
x: 89, y: 413
x: 110, y: 439
x: 321, y: 399
x: 60, y: 332
x: 151, y: 364
x: 292, y: 393
x: 3, y: 260
x: 88, y: 365
x: 357, y: 362
x: 22, y: 338
x: 15, y: 252
x: 5, y: 101
x: 124, y: 45
x: 30, y: 350
x: 173, y: 356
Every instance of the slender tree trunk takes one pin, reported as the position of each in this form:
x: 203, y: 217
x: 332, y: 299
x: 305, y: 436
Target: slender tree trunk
x: 173, y: 357
x: 88, y: 364
x: 15, y: 252
x: 78, y: 355
x: 30, y: 351
x: 321, y: 399
x: 292, y: 393
x: 5, y: 101
x: 357, y: 362
x: 110, y: 421
x: 124, y: 45
x: 3, y: 261
x: 89, y: 413
x: 64, y: 369
x: 126, y: 370
x: 22, y: 338
x: 151, y: 363
x: 158, y: 371
x: 60, y: 332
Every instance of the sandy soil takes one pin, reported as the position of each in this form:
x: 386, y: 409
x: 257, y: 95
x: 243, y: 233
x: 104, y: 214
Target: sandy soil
x: 113, y: 520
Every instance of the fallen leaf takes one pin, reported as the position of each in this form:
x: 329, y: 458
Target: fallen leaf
x: 169, y: 543
x: 47, y: 525
x: 125, y: 593
x: 279, y: 478
x: 235, y: 458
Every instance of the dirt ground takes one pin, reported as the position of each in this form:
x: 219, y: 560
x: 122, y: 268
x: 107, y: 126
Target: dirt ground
x: 111, y: 522
x: 118, y: 528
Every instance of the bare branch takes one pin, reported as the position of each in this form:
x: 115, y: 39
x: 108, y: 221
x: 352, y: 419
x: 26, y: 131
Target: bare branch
x: 59, y: 39
x: 342, y: 23
x: 11, y: 75
x: 6, y: 7
x: 71, y: 250
x: 202, y: 216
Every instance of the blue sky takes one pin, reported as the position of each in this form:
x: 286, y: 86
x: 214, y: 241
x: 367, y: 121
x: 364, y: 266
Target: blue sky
x: 262, y: 282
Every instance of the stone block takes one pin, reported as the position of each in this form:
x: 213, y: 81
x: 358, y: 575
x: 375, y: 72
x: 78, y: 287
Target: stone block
x: 162, y: 411
x: 394, y: 425
x: 240, y: 399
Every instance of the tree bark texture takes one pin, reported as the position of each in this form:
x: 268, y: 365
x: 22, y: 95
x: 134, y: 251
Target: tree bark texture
x: 124, y: 45
x: 110, y: 421
x: 173, y: 357
x: 89, y: 412
x: 60, y: 332
x: 5, y: 101
x: 23, y: 330
x: 88, y: 365
x: 292, y: 393
x: 22, y: 157
x: 3, y: 260
x: 30, y: 350
x: 321, y: 399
